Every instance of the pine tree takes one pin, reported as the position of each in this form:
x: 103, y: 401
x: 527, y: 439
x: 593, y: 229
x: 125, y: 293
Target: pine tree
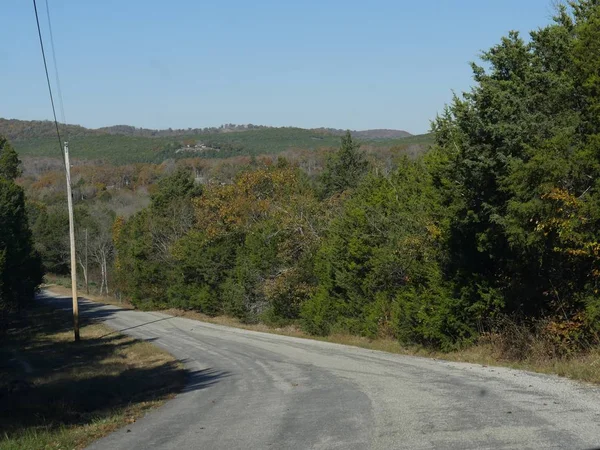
x: 9, y: 160
x: 20, y: 265
x: 345, y: 168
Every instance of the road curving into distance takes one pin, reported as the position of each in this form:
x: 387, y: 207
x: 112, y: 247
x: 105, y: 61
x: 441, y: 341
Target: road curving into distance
x: 249, y: 390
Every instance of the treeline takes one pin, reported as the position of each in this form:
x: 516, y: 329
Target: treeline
x: 20, y: 264
x: 15, y: 129
x: 120, y: 149
x: 127, y: 130
x: 500, y: 218
x: 352, y: 251
x: 103, y: 192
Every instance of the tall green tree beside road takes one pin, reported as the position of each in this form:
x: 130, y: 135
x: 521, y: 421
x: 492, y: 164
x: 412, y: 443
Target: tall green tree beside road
x: 379, y: 265
x: 20, y: 265
x: 144, y: 263
x: 518, y: 160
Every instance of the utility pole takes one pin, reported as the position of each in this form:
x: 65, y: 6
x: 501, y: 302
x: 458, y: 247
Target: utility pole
x: 87, y: 286
x: 72, y: 242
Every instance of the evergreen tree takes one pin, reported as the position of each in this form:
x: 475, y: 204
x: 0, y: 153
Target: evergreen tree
x: 20, y: 265
x: 9, y: 160
x: 178, y: 186
x: 518, y: 160
x: 345, y: 168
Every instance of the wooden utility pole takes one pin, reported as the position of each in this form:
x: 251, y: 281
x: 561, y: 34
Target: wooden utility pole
x: 87, y: 286
x: 72, y: 242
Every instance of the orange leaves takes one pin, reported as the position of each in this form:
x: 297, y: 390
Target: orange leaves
x: 49, y: 180
x: 563, y: 218
x: 223, y: 208
x: 434, y: 231
x: 564, y: 215
x: 566, y: 333
x: 568, y: 220
x: 562, y: 196
x: 117, y: 228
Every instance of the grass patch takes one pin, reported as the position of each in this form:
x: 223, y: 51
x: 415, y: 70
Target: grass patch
x: 55, y: 393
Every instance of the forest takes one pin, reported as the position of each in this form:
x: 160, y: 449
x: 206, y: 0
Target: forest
x: 495, y: 227
x: 123, y: 145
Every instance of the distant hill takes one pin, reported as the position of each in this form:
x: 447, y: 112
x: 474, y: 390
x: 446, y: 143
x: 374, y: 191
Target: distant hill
x: 15, y: 129
x: 124, y: 144
x: 370, y: 134
x: 127, y: 130
x: 31, y: 129
x: 381, y: 134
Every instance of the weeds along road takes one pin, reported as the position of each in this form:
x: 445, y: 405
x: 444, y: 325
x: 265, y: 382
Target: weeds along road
x: 250, y: 390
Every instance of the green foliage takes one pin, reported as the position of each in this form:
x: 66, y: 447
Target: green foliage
x: 148, y: 268
x: 501, y: 217
x: 518, y: 160
x: 20, y: 265
x: 50, y: 226
x: 177, y: 186
x: 345, y: 168
x: 202, y: 268
x: 126, y: 149
x: 114, y: 149
x: 242, y: 252
x: 140, y: 272
x: 379, y: 267
x: 9, y: 161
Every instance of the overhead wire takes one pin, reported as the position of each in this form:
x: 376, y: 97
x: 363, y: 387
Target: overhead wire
x: 65, y: 157
x: 57, y: 78
x: 37, y: 20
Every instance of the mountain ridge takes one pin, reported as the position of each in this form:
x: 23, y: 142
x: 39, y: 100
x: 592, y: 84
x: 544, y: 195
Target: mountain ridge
x: 16, y: 129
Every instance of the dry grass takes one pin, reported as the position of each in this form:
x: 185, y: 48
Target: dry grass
x: 584, y: 366
x: 62, y: 286
x: 55, y: 393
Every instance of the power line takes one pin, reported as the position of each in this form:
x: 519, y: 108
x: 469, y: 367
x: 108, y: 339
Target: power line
x: 58, y: 89
x: 37, y: 20
x: 68, y: 176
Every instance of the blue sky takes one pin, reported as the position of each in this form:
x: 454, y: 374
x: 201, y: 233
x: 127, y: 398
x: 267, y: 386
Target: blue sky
x: 196, y: 63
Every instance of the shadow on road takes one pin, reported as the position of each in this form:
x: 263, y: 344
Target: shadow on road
x: 91, y: 312
x: 81, y: 383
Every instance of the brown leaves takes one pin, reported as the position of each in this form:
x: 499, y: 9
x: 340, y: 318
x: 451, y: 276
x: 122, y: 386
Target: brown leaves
x: 255, y: 195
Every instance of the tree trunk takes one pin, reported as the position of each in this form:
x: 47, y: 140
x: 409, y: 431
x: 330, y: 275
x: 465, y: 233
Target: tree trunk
x: 87, y: 287
x: 85, y: 274
x: 105, y: 272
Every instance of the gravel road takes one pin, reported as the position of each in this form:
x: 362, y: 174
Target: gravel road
x: 250, y: 390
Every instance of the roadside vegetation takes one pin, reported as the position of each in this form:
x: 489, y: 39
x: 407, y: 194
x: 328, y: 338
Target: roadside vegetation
x: 484, y: 248
x: 20, y: 264
x: 55, y: 393
x: 492, y: 235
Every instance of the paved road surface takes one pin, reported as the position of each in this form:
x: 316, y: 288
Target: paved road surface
x: 250, y: 390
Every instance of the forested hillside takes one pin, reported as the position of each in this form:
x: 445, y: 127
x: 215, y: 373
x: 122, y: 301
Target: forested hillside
x: 125, y: 145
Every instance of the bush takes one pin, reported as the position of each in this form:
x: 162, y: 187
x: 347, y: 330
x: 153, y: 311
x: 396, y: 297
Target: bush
x: 318, y: 315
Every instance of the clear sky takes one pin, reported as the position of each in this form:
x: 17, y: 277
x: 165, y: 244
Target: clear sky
x: 196, y: 63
